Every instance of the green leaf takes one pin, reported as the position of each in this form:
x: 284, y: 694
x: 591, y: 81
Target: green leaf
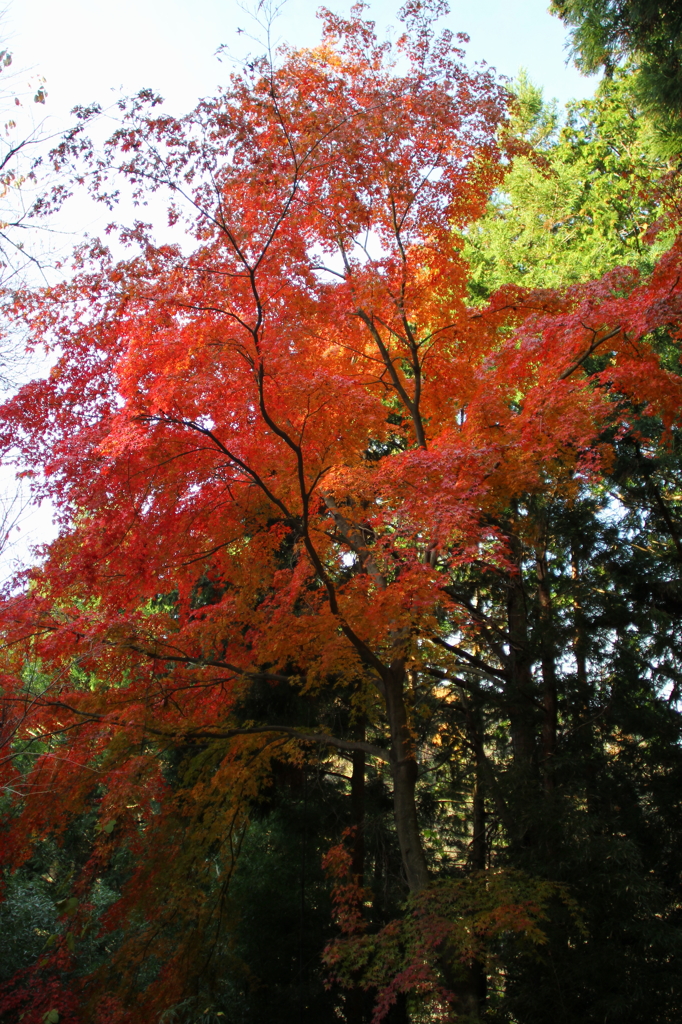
x: 68, y: 905
x: 109, y: 827
x: 51, y: 1017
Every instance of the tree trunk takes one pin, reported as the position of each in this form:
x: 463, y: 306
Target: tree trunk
x: 477, y: 982
x: 398, y: 1012
x: 465, y: 981
x: 478, y: 843
x: 404, y: 775
x: 521, y: 704
x: 549, y: 687
x: 358, y: 1003
x: 357, y: 796
x: 583, y: 723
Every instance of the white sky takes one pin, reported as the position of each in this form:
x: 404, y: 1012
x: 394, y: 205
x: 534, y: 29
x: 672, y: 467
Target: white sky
x: 94, y: 50
x: 86, y: 48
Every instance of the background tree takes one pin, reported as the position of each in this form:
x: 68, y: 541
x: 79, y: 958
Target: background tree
x: 607, y: 33
x: 587, y: 199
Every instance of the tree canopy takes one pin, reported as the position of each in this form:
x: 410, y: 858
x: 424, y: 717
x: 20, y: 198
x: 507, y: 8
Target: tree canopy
x: 349, y: 688
x: 608, y: 33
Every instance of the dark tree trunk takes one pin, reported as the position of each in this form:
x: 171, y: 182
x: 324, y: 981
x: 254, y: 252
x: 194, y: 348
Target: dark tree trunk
x: 479, y: 852
x: 549, y: 685
x: 477, y: 982
x: 357, y: 795
x: 404, y: 775
x: 520, y: 696
x: 583, y: 716
x: 398, y: 1012
x: 358, y: 1002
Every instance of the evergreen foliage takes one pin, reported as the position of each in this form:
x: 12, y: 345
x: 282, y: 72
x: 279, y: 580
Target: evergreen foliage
x: 607, y: 33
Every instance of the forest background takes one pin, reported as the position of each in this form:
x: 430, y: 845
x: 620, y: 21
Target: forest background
x: 349, y: 688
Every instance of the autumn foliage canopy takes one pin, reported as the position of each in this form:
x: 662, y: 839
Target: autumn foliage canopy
x: 290, y: 452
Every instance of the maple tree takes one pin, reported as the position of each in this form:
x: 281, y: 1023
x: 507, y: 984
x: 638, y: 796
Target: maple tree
x: 300, y: 480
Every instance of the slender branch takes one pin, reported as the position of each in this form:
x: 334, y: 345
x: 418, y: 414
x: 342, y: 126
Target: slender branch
x: 496, y: 674
x: 595, y: 345
x: 186, y: 735
x: 397, y: 383
x: 207, y: 432
x: 323, y: 738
